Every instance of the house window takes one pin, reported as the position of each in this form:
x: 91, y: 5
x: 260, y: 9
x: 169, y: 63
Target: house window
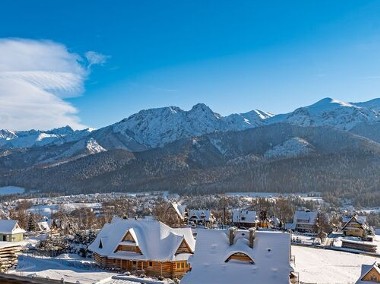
x: 134, y: 262
x: 150, y: 263
x: 182, y: 265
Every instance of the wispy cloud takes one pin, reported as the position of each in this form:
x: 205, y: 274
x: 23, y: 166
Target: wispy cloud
x: 95, y: 58
x: 35, y: 78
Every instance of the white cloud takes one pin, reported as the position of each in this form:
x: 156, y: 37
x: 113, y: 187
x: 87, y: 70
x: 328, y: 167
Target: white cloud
x: 35, y: 78
x: 95, y: 58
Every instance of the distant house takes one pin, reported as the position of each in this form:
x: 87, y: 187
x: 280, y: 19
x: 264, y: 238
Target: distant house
x: 304, y: 221
x: 146, y: 246
x: 370, y: 274
x: 10, y: 231
x: 240, y: 256
x: 201, y: 217
x: 244, y: 218
x: 356, y: 227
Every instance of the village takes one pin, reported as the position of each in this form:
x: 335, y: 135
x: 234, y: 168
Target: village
x: 158, y: 237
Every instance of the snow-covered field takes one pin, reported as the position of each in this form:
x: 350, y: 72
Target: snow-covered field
x: 8, y: 190
x: 328, y: 267
x: 71, y: 268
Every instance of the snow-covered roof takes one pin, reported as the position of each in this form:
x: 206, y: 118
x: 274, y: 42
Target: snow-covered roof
x: 305, y: 216
x: 180, y: 209
x: 243, y: 216
x: 270, y: 254
x: 156, y: 240
x: 10, y: 227
x: 201, y: 214
x: 360, y: 218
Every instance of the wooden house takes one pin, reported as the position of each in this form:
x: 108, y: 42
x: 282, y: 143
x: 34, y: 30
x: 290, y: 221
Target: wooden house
x: 356, y: 227
x: 10, y: 231
x: 370, y: 274
x: 244, y: 218
x: 201, y: 217
x: 240, y: 256
x: 144, y: 246
x: 304, y: 221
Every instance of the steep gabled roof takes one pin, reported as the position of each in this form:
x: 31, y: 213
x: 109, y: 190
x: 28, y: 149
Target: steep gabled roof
x: 309, y: 216
x: 198, y: 213
x: 366, y: 269
x: 156, y: 240
x: 354, y: 219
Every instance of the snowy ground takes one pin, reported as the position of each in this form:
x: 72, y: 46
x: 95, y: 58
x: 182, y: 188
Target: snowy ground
x: 69, y: 267
x: 61, y: 267
x: 326, y: 266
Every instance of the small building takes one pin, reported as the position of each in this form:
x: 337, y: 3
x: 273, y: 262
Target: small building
x: 244, y: 218
x: 10, y: 231
x: 370, y: 274
x: 240, y: 256
x: 144, y: 246
x: 356, y: 227
x: 304, y: 221
x: 201, y: 217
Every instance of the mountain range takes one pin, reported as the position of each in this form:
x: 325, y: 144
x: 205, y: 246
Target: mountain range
x: 314, y: 148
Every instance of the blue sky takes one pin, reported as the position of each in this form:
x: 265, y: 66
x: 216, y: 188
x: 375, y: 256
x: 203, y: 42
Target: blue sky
x: 234, y: 56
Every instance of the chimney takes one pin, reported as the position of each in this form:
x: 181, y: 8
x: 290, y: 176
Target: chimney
x: 251, y: 239
x: 231, y: 235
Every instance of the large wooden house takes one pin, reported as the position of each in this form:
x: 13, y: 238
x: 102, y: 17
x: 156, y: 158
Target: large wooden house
x: 144, y: 246
x: 240, y: 256
x: 356, y: 227
x: 10, y: 231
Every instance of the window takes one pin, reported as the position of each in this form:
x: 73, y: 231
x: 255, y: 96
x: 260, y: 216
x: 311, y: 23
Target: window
x: 150, y: 263
x: 182, y: 265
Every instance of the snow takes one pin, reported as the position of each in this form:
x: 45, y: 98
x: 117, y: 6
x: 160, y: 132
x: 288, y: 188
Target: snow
x: 330, y: 112
x: 293, y: 147
x: 326, y: 266
x: 8, y: 190
x: 156, y: 240
x: 70, y: 268
x: 270, y: 254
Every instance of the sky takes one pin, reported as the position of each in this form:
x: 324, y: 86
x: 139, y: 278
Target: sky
x: 93, y: 63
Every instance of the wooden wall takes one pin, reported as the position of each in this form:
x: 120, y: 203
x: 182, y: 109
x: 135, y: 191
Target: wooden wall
x: 168, y: 269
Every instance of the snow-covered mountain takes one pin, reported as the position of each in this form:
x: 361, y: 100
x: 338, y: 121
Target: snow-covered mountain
x: 333, y: 113
x: 157, y: 127
x: 37, y: 138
